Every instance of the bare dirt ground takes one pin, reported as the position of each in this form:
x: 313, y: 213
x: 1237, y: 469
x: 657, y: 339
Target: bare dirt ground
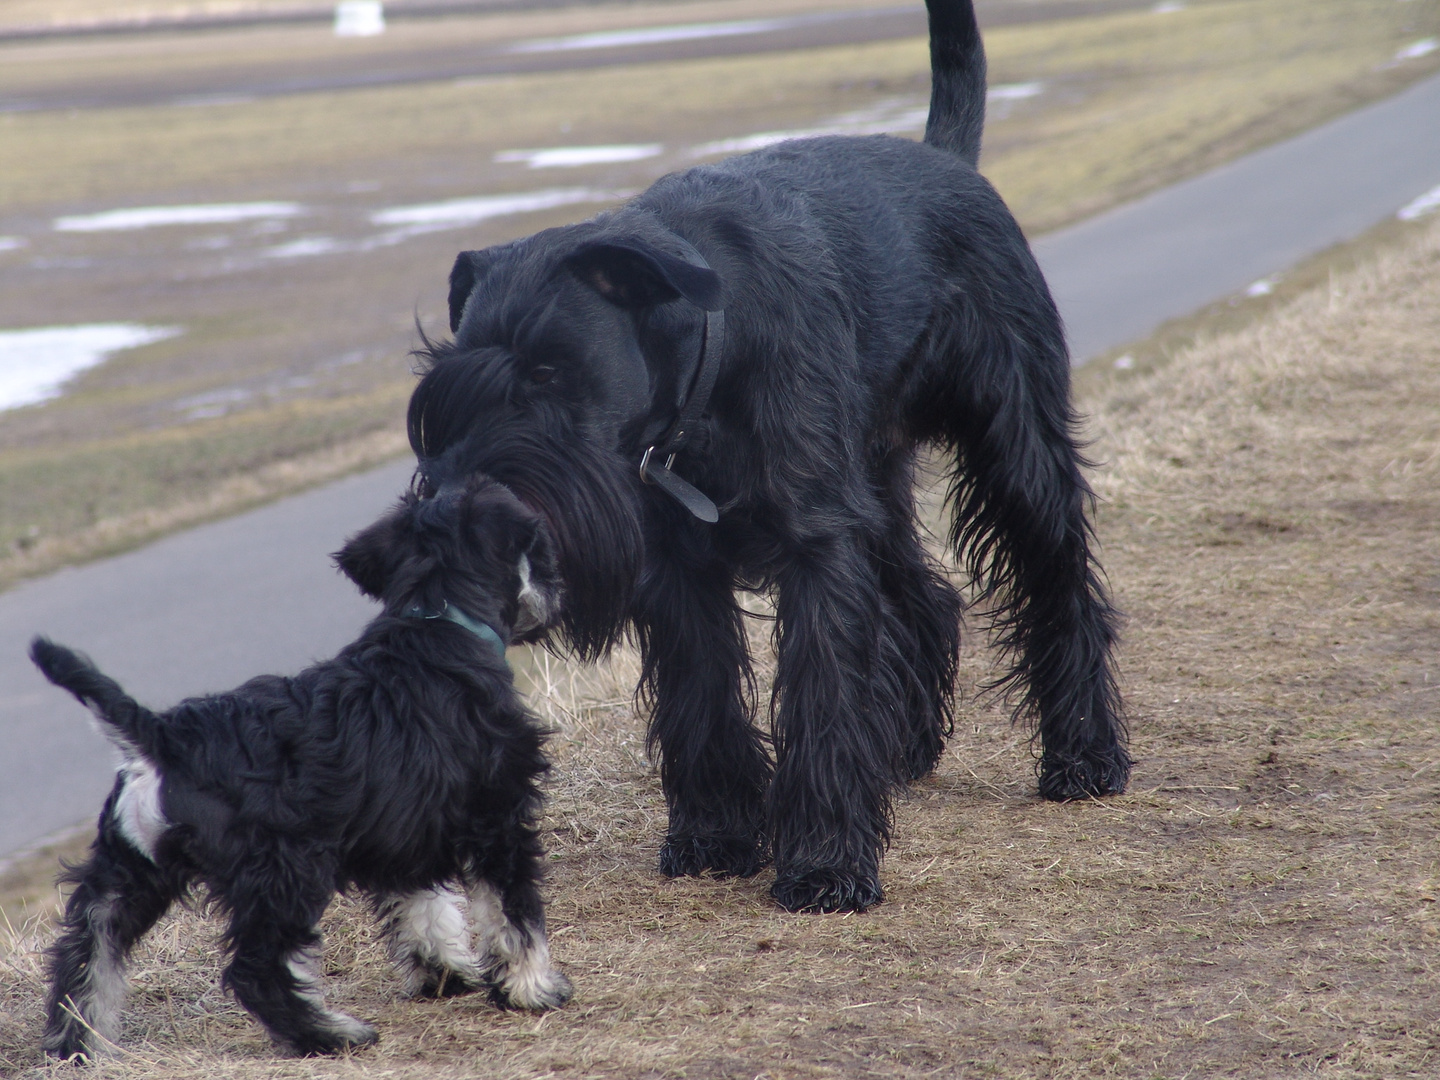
x: 1263, y: 903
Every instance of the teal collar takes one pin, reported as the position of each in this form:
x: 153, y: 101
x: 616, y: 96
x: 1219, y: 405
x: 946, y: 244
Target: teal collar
x: 483, y: 630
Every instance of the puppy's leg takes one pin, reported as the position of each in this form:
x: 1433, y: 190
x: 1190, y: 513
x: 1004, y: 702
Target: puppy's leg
x: 119, y: 895
x: 511, y: 928
x: 275, y: 969
x: 927, y: 611
x: 838, y: 733
x: 429, y: 942
x: 713, y: 764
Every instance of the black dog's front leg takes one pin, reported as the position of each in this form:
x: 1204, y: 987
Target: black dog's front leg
x: 713, y: 764
x: 839, y: 731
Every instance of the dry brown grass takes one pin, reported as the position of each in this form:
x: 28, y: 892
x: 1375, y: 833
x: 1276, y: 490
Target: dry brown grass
x: 1263, y: 903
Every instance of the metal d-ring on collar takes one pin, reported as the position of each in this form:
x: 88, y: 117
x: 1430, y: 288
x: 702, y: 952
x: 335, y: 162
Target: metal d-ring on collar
x: 483, y: 630
x: 707, y: 367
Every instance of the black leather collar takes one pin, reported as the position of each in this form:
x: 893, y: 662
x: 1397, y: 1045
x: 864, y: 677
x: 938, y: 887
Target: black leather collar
x: 689, y: 412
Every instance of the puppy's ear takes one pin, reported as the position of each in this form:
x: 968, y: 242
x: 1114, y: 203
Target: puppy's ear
x: 372, y: 555
x: 469, y: 270
x: 632, y: 274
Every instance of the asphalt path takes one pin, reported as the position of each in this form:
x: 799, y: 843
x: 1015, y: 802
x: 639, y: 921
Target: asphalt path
x: 1118, y: 275
x: 384, y: 66
x: 207, y: 608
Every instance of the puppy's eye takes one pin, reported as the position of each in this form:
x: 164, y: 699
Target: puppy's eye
x: 542, y: 374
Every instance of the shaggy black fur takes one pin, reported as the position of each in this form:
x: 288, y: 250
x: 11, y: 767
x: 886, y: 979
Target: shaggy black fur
x: 877, y: 296
x: 407, y: 767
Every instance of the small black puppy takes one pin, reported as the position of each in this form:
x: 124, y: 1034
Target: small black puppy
x: 407, y: 767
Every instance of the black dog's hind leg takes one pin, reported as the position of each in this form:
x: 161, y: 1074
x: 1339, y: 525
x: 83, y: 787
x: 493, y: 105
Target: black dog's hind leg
x: 275, y: 969
x: 429, y: 942
x: 119, y: 895
x: 927, y: 608
x: 839, y: 729
x: 1020, y: 502
x: 713, y: 765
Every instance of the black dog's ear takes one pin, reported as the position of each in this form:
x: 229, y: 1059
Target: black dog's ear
x: 469, y: 269
x: 371, y: 556
x: 632, y: 274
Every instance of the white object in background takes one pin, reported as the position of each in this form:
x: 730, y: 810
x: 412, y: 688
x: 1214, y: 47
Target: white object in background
x: 359, y: 18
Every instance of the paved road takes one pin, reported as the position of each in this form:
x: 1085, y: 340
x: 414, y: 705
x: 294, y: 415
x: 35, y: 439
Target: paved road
x: 1121, y: 274
x: 386, y: 65
x: 207, y: 608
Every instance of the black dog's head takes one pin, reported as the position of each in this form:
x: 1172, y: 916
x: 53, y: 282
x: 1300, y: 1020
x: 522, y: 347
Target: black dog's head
x: 581, y: 321
x: 569, y: 346
x: 473, y: 545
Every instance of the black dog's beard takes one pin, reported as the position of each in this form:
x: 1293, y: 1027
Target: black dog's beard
x: 589, y: 496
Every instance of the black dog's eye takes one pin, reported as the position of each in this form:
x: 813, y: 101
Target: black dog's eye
x: 542, y: 374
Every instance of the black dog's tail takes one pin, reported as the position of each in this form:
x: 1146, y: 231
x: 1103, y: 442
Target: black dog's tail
x: 133, y: 728
x: 957, y: 79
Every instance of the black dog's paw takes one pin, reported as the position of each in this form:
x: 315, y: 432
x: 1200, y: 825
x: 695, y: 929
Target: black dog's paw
x: 922, y: 755
x: 1085, y: 777
x: 689, y: 855
x: 827, y: 890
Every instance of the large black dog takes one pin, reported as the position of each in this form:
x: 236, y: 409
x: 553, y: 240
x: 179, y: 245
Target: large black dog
x: 768, y: 342
x: 407, y: 767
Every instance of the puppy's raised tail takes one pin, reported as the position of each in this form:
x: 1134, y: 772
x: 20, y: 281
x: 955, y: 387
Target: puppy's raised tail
x: 957, y: 79
x: 133, y: 728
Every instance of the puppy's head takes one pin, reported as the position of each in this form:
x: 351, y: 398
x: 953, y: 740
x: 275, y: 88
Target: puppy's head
x: 473, y: 545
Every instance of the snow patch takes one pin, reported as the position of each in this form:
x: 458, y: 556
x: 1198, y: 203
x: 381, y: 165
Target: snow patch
x: 569, y: 157
x: 412, y: 221
x: 1018, y: 91
x: 1416, y: 49
x: 35, y: 364
x: 882, y: 119
x: 457, y: 213
x: 305, y: 247
x: 359, y: 18
x: 1418, y: 208
x: 653, y: 35
x: 146, y: 217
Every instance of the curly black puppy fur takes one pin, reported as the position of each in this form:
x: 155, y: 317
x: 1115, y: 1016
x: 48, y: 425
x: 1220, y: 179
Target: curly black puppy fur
x: 876, y: 296
x: 407, y: 767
